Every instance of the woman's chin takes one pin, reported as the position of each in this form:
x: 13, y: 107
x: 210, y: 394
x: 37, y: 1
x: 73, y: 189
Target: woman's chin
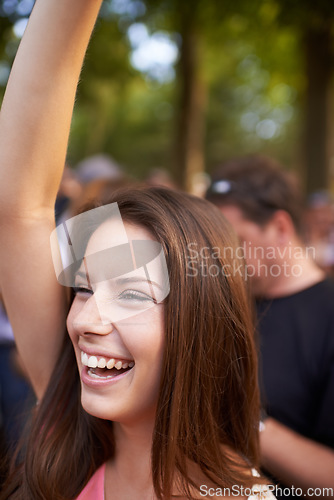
x: 96, y: 407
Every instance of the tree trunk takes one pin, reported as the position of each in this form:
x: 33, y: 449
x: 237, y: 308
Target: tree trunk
x: 192, y: 102
x: 319, y: 62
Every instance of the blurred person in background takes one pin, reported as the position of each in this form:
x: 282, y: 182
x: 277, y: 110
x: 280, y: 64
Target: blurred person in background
x: 70, y: 189
x: 93, y: 179
x: 82, y: 183
x: 320, y: 229
x: 15, y: 392
x: 98, y: 167
x: 160, y: 177
x: 295, y: 310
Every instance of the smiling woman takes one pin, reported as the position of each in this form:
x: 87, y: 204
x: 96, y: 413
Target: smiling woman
x: 166, y: 368
x: 154, y: 391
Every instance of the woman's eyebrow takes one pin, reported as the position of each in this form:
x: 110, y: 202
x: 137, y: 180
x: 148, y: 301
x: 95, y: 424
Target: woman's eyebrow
x: 120, y: 281
x: 138, y: 279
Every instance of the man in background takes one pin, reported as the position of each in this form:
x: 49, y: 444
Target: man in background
x: 295, y: 311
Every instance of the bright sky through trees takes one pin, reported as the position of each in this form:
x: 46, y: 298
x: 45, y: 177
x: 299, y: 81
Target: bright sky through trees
x: 152, y: 54
x: 251, y: 63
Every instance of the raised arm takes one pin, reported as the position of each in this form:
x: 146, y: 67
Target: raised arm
x: 34, y: 127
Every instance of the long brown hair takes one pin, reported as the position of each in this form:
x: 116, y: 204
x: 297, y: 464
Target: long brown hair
x: 208, y: 408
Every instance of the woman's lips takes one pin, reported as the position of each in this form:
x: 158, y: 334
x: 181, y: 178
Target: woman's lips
x: 95, y: 377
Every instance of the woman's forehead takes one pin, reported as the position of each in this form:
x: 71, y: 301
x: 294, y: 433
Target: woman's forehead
x: 114, y: 232
x: 103, y: 246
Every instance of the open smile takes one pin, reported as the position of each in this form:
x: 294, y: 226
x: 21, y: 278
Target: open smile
x: 100, y: 370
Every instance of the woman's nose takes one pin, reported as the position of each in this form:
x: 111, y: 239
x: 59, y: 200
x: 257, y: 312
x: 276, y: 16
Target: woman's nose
x: 89, y: 319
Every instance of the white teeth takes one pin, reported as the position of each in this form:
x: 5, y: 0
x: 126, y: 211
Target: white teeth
x: 94, y: 362
x: 84, y: 358
x: 111, y: 363
x: 101, y: 363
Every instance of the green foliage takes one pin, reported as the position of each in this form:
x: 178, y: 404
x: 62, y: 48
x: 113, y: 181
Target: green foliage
x: 305, y: 12
x: 254, y: 75
x: 250, y: 62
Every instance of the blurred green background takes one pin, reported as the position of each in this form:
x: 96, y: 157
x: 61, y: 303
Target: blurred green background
x: 183, y: 86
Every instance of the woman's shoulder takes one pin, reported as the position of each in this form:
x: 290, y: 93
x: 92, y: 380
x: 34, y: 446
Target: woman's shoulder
x: 94, y: 489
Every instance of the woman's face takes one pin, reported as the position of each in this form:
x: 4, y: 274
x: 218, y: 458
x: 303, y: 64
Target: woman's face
x: 117, y: 330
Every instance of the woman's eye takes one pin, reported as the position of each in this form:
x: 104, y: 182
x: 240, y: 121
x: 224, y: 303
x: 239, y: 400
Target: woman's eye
x: 135, y: 295
x: 82, y: 290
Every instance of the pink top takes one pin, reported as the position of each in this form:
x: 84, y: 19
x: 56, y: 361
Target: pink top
x: 94, y: 489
